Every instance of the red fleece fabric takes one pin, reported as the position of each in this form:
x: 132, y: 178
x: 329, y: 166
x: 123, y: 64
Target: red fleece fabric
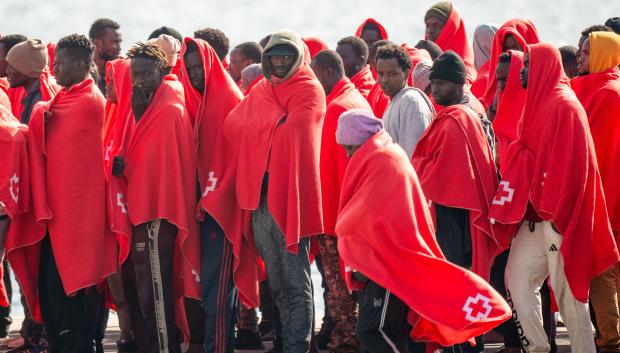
x: 385, y: 232
x: 552, y: 166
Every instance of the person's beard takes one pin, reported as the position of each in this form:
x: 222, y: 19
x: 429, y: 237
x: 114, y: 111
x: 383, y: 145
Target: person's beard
x: 107, y: 57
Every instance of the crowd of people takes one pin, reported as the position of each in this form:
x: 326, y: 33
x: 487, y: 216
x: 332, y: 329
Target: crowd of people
x: 443, y: 189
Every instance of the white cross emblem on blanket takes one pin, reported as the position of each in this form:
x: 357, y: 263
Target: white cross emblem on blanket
x: 474, y: 310
x: 504, y: 186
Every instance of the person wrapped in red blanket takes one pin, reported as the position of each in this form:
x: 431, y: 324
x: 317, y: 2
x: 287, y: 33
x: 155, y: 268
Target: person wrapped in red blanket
x: 456, y: 167
x: 445, y: 27
x: 513, y: 35
x: 27, y: 69
x: 371, y: 31
x: 210, y: 95
x: 158, y: 166
x: 275, y: 133
x: 14, y: 197
x: 354, y: 53
x: 598, y: 90
x: 508, y: 111
x: 7, y: 42
x: 552, y: 191
x: 68, y: 192
x: 341, y: 96
x: 387, y: 242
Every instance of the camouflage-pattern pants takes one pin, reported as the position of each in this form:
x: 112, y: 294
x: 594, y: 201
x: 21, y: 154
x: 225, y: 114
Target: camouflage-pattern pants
x: 341, y: 305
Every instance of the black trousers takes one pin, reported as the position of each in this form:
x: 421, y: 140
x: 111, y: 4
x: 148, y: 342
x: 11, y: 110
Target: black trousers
x: 68, y: 320
x: 382, y: 325
x: 508, y: 329
x: 149, y: 293
x: 5, y: 313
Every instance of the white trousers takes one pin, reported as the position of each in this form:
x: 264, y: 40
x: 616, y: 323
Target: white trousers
x: 534, y: 255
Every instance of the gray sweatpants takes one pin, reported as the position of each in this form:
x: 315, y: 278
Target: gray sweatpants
x: 289, y: 278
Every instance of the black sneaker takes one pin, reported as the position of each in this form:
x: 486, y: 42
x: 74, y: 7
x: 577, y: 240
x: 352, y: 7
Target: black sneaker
x: 277, y: 347
x: 267, y: 330
x: 324, y: 336
x: 248, y: 340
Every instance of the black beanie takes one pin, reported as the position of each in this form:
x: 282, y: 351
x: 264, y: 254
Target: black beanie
x: 450, y: 67
x: 614, y: 23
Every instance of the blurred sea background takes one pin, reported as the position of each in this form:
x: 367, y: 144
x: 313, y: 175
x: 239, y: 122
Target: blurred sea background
x: 559, y: 22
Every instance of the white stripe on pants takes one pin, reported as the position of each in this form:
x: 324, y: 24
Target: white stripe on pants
x: 534, y: 256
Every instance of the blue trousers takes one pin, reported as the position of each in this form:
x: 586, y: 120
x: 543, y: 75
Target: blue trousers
x: 219, y: 294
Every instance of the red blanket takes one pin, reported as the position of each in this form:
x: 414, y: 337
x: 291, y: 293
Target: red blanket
x: 285, y: 142
x: 315, y: 45
x: 552, y: 165
x: 415, y: 55
x: 334, y: 159
x: 118, y: 113
x: 478, y: 88
x: 599, y: 94
x: 14, y: 176
x: 363, y: 81
x: 4, y: 84
x: 454, y: 37
x: 382, y: 31
x: 509, y: 109
x: 385, y: 232
x: 378, y: 100
x: 216, y: 170
x: 68, y: 189
x: 524, y: 33
x: 51, y: 54
x: 14, y: 167
x: 161, y: 183
x: 4, y: 100
x: 251, y: 86
x: 15, y: 97
x: 456, y: 169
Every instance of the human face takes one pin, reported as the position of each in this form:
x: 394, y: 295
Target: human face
x: 3, y: 63
x: 350, y: 150
x: 525, y: 71
x: 391, y: 76
x: 238, y: 62
x: 349, y: 59
x: 370, y: 36
x: 110, y: 92
x: 501, y: 75
x: 434, y: 26
x: 281, y: 64
x: 16, y: 78
x: 68, y: 70
x: 108, y: 47
x: 445, y: 92
x: 195, y: 70
x: 510, y: 43
x: 146, y: 74
x: 583, y: 58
